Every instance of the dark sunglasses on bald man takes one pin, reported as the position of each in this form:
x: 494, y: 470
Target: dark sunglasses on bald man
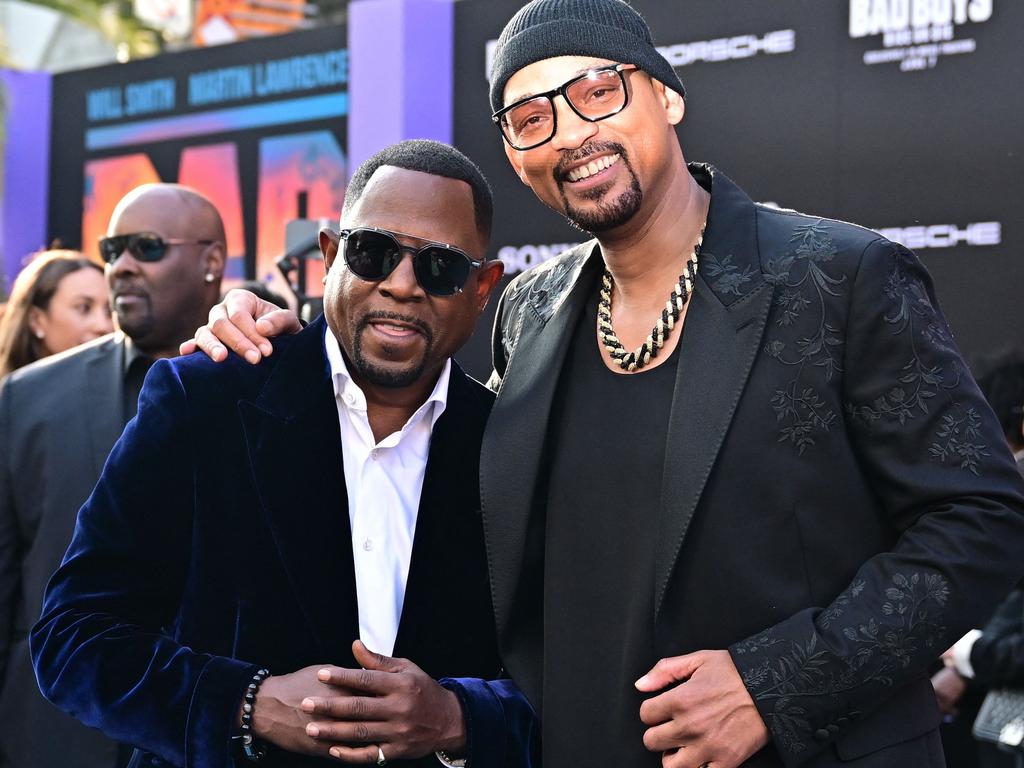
x: 373, y: 254
x: 143, y: 246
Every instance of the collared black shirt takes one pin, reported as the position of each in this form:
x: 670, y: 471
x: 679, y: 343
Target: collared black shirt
x: 135, y: 366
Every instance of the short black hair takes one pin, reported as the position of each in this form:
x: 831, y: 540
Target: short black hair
x: 431, y: 157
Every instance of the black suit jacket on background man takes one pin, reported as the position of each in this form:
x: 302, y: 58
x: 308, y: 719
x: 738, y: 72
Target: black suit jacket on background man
x: 59, y: 419
x: 217, y: 541
x: 838, y: 502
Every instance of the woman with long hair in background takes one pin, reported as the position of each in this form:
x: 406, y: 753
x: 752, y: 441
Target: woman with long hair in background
x: 58, y: 301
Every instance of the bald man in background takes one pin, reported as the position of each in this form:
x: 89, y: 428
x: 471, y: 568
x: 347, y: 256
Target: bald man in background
x: 59, y: 418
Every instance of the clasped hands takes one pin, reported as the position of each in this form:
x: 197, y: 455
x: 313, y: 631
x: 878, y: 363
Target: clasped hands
x: 701, y: 713
x: 347, y: 714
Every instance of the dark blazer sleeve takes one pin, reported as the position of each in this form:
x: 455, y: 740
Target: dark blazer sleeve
x: 102, y: 649
x: 941, y: 472
x: 502, y: 729
x: 997, y: 657
x: 10, y: 560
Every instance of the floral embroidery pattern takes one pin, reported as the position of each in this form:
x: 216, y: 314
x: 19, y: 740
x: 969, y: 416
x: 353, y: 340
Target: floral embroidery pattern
x: 910, y: 622
x: 913, y: 623
x: 757, y: 643
x: 724, y: 276
x: 544, y: 289
x: 956, y: 441
x: 838, y: 607
x: 803, y: 413
x: 800, y: 410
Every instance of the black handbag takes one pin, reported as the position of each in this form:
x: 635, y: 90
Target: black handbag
x: 1001, y: 719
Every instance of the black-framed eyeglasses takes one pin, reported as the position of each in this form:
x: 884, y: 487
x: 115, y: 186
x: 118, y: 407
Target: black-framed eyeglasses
x: 595, y: 95
x: 143, y: 246
x: 373, y: 254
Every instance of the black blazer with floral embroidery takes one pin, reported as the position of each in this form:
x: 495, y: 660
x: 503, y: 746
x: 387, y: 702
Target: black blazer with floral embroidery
x: 838, y: 506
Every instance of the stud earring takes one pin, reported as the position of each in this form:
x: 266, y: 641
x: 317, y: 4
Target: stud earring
x: 210, y: 277
x: 40, y: 335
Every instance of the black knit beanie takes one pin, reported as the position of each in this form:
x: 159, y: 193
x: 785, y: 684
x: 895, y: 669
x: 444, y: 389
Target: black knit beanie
x: 606, y: 29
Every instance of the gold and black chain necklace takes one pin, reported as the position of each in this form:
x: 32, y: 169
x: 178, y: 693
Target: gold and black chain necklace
x: 637, y: 359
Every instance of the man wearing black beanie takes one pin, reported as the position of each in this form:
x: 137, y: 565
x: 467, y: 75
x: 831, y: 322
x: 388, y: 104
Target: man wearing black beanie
x: 735, y: 452
x: 769, y: 489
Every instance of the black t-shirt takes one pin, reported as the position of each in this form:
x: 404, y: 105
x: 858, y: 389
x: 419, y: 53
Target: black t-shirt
x: 604, y: 493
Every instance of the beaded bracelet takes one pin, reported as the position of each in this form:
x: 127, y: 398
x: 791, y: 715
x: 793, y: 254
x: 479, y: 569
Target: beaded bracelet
x: 252, y: 749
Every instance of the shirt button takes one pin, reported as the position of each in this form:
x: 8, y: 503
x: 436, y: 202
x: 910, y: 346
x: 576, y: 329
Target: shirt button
x: 349, y: 398
x: 368, y: 545
x: 375, y: 454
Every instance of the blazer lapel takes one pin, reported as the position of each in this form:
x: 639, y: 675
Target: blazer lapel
x: 294, y: 444
x: 453, y: 447
x: 512, y: 450
x: 104, y: 373
x: 721, y: 336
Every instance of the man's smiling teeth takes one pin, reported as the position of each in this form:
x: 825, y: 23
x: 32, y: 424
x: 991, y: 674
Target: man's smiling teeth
x: 584, y: 171
x: 394, y: 328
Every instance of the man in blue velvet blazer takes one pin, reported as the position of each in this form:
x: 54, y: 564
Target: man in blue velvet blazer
x: 217, y: 541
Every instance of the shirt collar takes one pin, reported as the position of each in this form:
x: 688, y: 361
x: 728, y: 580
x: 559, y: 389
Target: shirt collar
x: 132, y: 356
x: 351, y: 395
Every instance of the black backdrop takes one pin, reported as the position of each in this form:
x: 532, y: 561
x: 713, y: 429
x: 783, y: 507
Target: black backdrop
x: 844, y: 109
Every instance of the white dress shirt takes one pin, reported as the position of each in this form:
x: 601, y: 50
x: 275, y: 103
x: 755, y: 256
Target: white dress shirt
x: 384, y: 481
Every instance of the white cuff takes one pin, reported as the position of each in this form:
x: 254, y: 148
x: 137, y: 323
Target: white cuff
x: 962, y: 653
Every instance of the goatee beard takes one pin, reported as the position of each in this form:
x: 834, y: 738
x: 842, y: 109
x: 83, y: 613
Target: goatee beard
x: 607, y: 214
x: 381, y: 376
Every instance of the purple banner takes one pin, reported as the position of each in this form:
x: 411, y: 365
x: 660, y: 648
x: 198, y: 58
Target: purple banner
x: 26, y: 112
x: 401, y: 83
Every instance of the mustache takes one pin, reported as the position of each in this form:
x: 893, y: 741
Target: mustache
x: 377, y: 316
x: 572, y: 157
x: 127, y: 288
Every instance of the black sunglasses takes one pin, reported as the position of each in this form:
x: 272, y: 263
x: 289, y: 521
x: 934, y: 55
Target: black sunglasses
x: 143, y: 246
x: 373, y: 254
